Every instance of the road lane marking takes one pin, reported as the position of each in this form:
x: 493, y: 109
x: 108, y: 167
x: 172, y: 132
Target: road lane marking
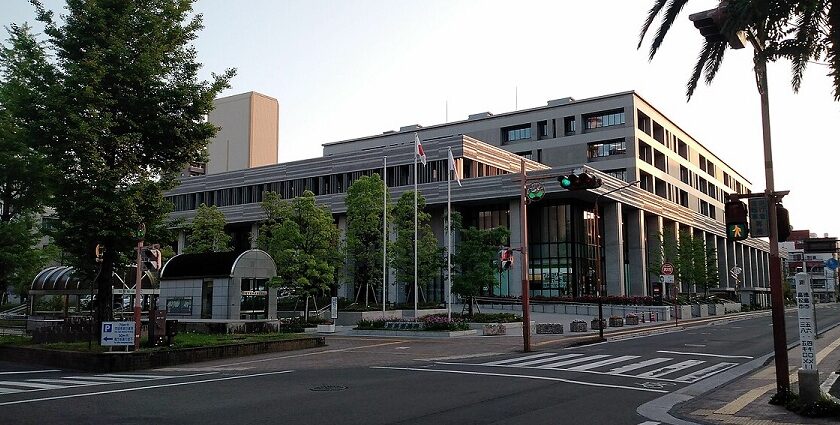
x: 705, y: 373
x: 104, y: 378
x: 457, y: 357
x: 148, y: 387
x: 508, y: 375
x: 573, y: 361
x: 667, y: 370
x: 35, y: 385
x: 66, y: 381
x: 640, y: 365
x: 292, y: 356
x: 29, y: 371
x: 594, y: 365
x: 78, y: 381
x: 533, y: 356
x: 117, y: 375
x: 725, y: 356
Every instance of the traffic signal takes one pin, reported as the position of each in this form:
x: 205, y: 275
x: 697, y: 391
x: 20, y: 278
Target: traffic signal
x: 534, y: 192
x: 151, y: 257
x: 783, y: 222
x: 736, y: 220
x: 505, y: 258
x: 581, y: 181
x: 713, y: 25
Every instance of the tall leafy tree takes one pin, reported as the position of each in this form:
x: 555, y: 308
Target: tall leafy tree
x: 207, y: 231
x: 303, y: 239
x: 126, y: 112
x: 712, y: 278
x: 430, y: 257
x: 364, y: 239
x: 25, y: 170
x: 476, y: 261
x: 802, y: 31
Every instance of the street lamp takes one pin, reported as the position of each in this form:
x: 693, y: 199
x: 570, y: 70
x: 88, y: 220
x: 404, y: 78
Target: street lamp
x: 711, y: 24
x: 598, y: 272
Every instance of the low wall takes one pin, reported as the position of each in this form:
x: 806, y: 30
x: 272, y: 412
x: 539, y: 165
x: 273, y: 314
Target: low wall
x: 662, y: 313
x: 138, y: 360
x: 348, y: 318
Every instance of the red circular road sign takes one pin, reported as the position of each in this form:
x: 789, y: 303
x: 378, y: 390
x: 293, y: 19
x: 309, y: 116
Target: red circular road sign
x: 667, y: 268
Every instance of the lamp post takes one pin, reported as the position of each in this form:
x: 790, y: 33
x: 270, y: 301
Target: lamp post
x: 600, y: 291
x: 711, y: 24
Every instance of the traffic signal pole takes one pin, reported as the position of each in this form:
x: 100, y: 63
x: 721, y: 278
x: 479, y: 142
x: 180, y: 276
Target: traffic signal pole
x: 523, y: 231
x: 776, y: 293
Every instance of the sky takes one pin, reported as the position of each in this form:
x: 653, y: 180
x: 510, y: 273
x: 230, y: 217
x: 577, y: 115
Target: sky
x: 342, y: 69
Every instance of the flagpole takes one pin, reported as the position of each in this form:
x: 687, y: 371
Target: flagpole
x: 449, y: 237
x: 416, y: 154
x: 384, y: 230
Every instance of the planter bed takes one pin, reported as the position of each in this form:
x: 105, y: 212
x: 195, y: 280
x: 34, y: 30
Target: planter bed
x: 419, y: 334
x: 149, y: 359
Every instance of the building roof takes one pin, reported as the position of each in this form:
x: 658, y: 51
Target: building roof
x: 208, y: 264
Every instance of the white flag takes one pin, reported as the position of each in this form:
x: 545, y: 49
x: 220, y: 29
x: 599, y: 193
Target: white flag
x: 419, y: 150
x: 453, y: 168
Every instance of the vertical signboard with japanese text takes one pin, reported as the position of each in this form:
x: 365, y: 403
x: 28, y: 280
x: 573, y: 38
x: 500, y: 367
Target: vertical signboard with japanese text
x: 804, y: 305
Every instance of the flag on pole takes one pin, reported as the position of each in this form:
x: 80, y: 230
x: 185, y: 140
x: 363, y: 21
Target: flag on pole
x: 419, y: 151
x: 453, y: 168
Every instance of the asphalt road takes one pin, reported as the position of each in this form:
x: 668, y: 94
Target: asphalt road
x: 471, y: 380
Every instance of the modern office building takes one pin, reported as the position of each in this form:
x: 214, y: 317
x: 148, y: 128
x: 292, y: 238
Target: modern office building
x: 622, y: 138
x: 248, y: 134
x: 823, y: 279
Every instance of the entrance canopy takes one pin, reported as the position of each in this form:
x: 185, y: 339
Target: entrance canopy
x: 63, y: 280
x: 252, y: 263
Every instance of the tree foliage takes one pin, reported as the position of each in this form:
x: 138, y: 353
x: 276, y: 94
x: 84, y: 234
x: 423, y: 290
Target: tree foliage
x: 694, y: 263
x: 476, y: 260
x: 25, y: 170
x: 801, y: 31
x: 430, y: 257
x: 207, y: 231
x: 125, y: 113
x: 303, y: 239
x: 364, y: 237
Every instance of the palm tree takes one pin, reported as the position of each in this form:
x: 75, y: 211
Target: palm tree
x: 802, y: 31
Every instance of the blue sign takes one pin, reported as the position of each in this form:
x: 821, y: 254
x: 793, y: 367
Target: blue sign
x: 832, y: 263
x: 117, y: 333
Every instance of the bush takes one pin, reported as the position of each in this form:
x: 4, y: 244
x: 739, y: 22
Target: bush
x: 822, y: 408
x: 489, y: 317
x: 440, y: 322
x: 372, y: 324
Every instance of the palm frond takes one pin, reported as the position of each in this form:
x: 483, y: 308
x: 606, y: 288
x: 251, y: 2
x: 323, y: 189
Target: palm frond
x: 714, y: 59
x: 671, y: 12
x: 807, y: 27
x: 833, y: 57
x: 657, y: 6
x: 698, y: 71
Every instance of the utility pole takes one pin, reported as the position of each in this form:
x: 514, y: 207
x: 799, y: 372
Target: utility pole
x: 523, y: 231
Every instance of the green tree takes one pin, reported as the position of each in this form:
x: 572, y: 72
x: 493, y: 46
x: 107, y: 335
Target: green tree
x: 207, y: 232
x: 802, y: 31
x: 364, y: 239
x: 25, y: 171
x: 712, y: 273
x: 126, y: 115
x: 430, y: 259
x: 303, y: 239
x: 476, y: 261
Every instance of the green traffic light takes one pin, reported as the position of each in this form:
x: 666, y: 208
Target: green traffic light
x: 565, y: 183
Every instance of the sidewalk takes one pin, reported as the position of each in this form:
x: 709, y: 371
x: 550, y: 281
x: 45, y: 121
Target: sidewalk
x: 746, y: 401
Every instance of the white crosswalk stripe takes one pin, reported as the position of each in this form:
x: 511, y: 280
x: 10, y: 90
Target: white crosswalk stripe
x: 633, y: 366
x: 64, y: 382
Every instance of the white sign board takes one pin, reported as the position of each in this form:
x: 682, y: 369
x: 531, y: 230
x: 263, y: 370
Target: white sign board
x: 117, y: 333
x: 334, y: 308
x: 805, y: 306
x: 667, y: 278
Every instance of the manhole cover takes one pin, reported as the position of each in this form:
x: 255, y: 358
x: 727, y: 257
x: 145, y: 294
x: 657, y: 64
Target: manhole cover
x: 328, y: 388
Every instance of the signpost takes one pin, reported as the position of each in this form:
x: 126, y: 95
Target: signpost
x: 117, y: 334
x: 759, y: 217
x: 334, y: 308
x: 809, y: 382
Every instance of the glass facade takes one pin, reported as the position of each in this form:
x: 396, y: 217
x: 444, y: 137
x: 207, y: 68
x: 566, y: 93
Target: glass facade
x: 603, y: 119
x: 254, y: 299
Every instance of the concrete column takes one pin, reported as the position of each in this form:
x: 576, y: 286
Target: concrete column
x: 749, y: 260
x: 515, y: 242
x: 766, y: 270
x: 755, y: 267
x: 636, y: 252
x: 612, y: 224
x: 671, y: 232
x: 653, y: 232
x: 255, y: 233
x: 182, y: 241
x: 731, y: 261
x: 722, y: 260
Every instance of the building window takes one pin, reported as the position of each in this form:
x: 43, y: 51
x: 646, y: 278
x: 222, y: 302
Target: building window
x: 682, y: 149
x: 683, y: 198
x: 526, y: 155
x: 542, y: 130
x: 512, y: 134
x: 645, y: 153
x: 569, y: 126
x: 603, y: 119
x: 607, y: 148
x: 684, y: 174
x: 620, y: 173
